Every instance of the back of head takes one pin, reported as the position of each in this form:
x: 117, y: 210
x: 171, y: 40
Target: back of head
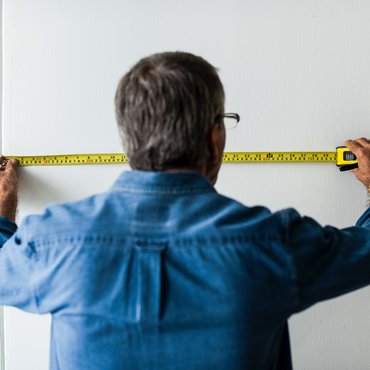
x: 165, y: 107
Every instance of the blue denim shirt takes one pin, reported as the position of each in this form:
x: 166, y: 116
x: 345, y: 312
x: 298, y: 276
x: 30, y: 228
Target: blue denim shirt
x: 162, y: 272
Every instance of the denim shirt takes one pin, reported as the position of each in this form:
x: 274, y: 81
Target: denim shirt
x: 162, y: 272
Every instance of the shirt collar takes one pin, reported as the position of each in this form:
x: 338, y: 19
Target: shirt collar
x: 162, y: 182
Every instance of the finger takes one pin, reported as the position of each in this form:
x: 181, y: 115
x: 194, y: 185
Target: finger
x: 8, y: 164
x: 363, y: 141
x: 12, y: 165
x: 353, y: 146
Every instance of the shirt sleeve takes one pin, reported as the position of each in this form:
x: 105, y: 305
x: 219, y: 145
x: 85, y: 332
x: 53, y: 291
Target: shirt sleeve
x: 329, y: 261
x: 15, y: 268
x: 7, y: 229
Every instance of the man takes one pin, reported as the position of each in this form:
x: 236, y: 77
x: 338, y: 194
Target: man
x: 161, y: 271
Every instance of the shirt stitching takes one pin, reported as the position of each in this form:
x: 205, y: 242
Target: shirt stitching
x: 159, y: 190
x: 230, y: 240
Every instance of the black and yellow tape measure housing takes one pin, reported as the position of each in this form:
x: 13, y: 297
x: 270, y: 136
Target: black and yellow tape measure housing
x: 346, y: 160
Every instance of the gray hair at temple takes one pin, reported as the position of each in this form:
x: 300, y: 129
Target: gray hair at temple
x: 165, y: 107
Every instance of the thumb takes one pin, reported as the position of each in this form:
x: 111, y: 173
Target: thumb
x: 8, y: 166
x: 13, y: 163
x: 353, y: 146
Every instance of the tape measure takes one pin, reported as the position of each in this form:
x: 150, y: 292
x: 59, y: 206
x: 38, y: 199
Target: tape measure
x: 244, y: 157
x: 343, y: 158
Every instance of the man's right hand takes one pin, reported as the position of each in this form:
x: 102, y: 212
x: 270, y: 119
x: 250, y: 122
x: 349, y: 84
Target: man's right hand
x: 361, y: 148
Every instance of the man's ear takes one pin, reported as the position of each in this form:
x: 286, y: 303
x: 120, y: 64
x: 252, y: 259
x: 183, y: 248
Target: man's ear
x: 217, y: 142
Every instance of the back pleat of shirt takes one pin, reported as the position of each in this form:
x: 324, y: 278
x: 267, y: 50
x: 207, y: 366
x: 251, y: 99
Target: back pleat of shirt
x: 149, y: 262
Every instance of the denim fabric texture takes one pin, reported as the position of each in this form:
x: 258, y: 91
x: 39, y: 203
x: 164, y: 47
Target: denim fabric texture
x: 162, y: 272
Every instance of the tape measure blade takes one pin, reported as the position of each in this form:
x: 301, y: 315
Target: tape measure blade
x: 257, y: 157
x: 70, y: 159
x: 228, y: 157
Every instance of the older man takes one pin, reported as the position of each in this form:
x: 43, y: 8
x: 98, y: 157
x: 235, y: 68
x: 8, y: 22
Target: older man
x: 161, y: 271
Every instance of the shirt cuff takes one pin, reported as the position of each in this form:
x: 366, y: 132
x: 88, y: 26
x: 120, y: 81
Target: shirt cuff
x: 364, y: 220
x: 7, y: 227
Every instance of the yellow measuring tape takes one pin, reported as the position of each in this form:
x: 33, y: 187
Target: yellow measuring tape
x: 342, y: 156
x: 244, y: 157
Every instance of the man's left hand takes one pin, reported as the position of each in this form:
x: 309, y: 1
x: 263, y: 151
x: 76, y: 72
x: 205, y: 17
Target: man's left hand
x: 8, y: 188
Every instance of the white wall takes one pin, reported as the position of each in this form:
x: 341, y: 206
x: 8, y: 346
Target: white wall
x: 296, y: 71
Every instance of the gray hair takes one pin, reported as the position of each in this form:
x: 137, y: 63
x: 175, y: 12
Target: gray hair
x: 165, y: 107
